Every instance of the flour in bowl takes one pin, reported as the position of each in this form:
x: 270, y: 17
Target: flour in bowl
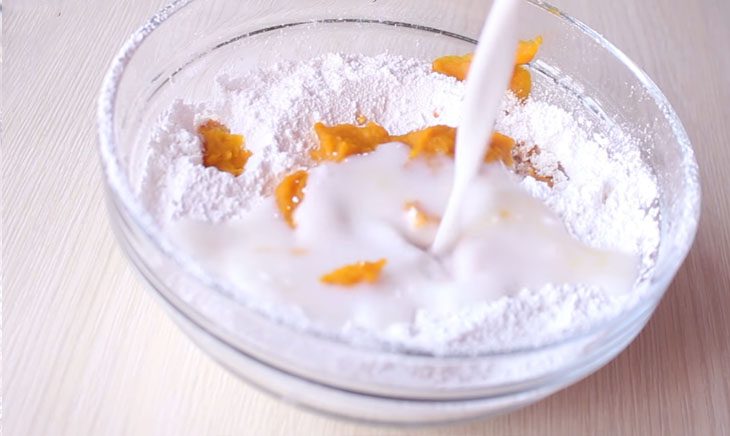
x: 596, y: 184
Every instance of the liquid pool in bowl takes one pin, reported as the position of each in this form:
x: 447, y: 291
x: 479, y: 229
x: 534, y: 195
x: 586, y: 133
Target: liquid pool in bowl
x: 178, y: 54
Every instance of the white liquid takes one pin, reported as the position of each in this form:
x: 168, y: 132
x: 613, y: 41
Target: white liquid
x: 354, y: 211
x: 489, y: 75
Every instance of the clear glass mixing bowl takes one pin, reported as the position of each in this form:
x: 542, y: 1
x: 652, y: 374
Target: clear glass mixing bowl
x: 178, y: 52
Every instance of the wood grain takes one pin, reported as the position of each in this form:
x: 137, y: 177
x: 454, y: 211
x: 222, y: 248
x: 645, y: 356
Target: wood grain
x: 87, y: 352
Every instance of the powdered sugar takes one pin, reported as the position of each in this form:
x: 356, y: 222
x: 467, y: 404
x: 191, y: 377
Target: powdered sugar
x: 601, y: 189
x: 276, y: 109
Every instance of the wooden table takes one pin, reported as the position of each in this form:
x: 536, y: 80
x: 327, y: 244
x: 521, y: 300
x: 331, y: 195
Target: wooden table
x: 88, y: 352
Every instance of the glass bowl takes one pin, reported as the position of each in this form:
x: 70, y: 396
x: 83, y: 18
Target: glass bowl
x: 178, y: 52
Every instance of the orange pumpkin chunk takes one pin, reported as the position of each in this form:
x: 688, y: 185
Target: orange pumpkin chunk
x: 454, y: 66
x: 458, y: 66
x: 290, y: 194
x: 441, y: 140
x: 356, y: 273
x: 521, y: 83
x: 340, y: 141
x: 221, y: 149
x: 526, y: 50
x: 500, y: 149
x: 343, y: 140
x: 431, y: 141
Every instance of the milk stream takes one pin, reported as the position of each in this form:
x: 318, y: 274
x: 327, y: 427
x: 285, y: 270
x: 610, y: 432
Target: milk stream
x: 489, y: 75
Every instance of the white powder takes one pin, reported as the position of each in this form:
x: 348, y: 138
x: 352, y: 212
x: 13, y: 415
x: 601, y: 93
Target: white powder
x: 601, y: 189
x: 276, y: 109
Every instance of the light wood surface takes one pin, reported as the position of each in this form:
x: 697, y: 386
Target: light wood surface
x: 88, y: 352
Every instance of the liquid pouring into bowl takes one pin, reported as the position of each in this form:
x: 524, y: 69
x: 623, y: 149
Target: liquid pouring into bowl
x: 514, y: 228
x: 493, y: 240
x: 489, y: 75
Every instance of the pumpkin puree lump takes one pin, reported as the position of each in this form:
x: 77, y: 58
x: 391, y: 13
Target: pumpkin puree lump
x: 431, y: 141
x: 441, y: 140
x: 342, y: 140
x: 221, y: 149
x: 526, y: 50
x: 338, y: 142
x: 521, y: 83
x: 453, y: 65
x: 356, y: 273
x: 500, y: 148
x: 290, y: 194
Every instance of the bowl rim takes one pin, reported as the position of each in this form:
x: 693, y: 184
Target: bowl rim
x: 120, y: 187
